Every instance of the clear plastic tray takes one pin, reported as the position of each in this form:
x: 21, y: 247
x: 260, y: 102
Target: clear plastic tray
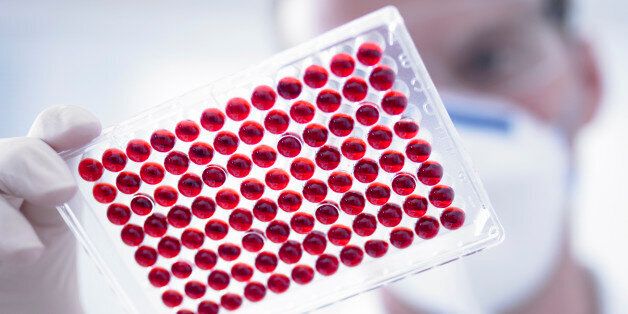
x: 92, y: 223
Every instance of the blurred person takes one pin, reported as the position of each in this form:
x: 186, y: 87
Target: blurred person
x: 519, y: 83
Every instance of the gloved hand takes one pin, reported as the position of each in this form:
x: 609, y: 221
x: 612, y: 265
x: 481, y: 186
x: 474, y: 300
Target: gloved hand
x: 37, y: 250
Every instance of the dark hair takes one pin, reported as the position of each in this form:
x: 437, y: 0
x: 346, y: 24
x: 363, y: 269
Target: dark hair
x: 558, y: 11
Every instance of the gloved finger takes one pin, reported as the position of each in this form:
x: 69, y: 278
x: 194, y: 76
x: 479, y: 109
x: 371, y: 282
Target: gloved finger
x: 65, y: 127
x: 19, y: 243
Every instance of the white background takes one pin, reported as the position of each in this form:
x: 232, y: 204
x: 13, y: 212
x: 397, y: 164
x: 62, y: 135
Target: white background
x: 118, y: 58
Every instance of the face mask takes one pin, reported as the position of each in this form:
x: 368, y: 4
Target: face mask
x: 524, y: 166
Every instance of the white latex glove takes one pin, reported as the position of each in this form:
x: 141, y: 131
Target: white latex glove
x: 37, y: 250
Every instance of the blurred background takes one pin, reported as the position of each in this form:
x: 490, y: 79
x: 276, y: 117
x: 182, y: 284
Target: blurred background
x: 118, y: 58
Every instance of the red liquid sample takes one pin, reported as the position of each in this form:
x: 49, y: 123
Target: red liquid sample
x: 452, y: 218
x: 90, y: 169
x: 251, y: 132
x: 264, y: 156
x: 225, y: 143
x: 430, y: 173
x: 418, y: 150
x: 190, y: 185
x: 252, y: 189
x: 132, y: 235
x: 241, y: 219
x: 228, y: 251
x: 263, y: 97
x: 365, y: 170
x: 352, y: 203
x: 401, y: 238
x: 171, y: 298
x: 339, y: 181
x: 342, y: 65
x: 403, y: 184
x: 315, y: 135
x: 266, y: 262
x: 391, y: 161
x: 156, y: 225
x: 205, y: 259
x: 327, y: 264
x: 276, y: 121
x: 254, y: 291
x: 138, y: 150
x: 376, y: 248
x: 169, y: 247
x: 315, y: 76
x: 328, y: 100
x: 214, y: 176
x: 187, y: 130
x: 380, y: 137
x: 289, y: 201
x: 113, y: 159
x: 218, y: 280
x: 355, y: 89
x: 353, y: 148
x: 179, y: 216
x: 341, y: 124
x: 212, y: 119
x: 104, y: 192
x: 239, y: 165
x: 369, y: 53
x: 227, y: 198
x: 394, y: 103
x: 327, y: 213
x: 208, y: 307
x: 339, y: 235
x: 302, y: 223
x: 389, y: 215
x: 315, y: 191
x: 406, y: 129
x: 441, y: 196
x: 328, y: 157
x: 192, y: 238
x: 231, y: 301
x: 237, y: 109
x: 176, y: 162
x: 415, y: 206
x: 278, y: 283
x: 118, y: 214
x: 289, y: 146
x: 367, y: 114
x: 145, y: 256
x: 377, y: 193
x: 201, y: 153
x: 302, y: 168
x: 162, y: 140
x: 241, y: 272
x: 382, y: 78
x: 265, y: 210
x: 158, y: 277
x: 289, y: 87
x: 216, y: 229
x: 277, y: 231
x: 302, y: 111
x: 253, y: 242
x: 194, y: 289
x: 315, y: 243
x: 364, y: 224
x: 302, y: 274
x: 203, y: 207
x: 165, y: 195
x: 141, y: 205
x: 427, y: 227
x: 277, y: 179
x: 351, y: 255
x: 152, y: 172
x: 290, y: 252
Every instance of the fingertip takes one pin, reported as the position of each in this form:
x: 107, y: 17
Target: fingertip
x: 65, y: 127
